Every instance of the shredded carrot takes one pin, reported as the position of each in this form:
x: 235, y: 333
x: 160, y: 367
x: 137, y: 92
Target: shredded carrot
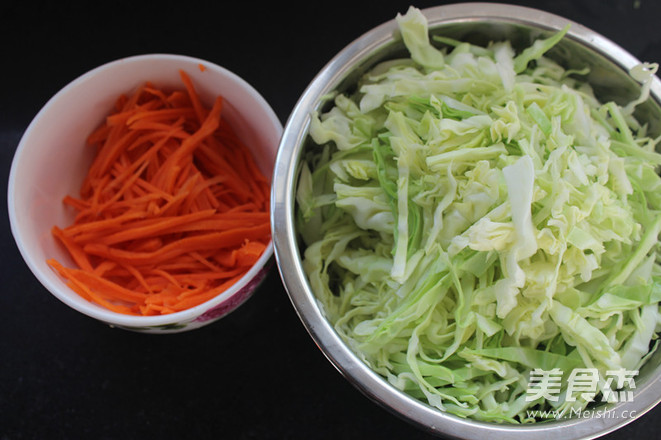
x: 173, y: 209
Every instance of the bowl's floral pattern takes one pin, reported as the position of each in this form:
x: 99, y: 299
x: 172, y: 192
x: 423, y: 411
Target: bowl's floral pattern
x: 214, y: 313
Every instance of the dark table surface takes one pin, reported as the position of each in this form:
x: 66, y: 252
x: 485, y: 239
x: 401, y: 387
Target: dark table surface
x: 256, y: 373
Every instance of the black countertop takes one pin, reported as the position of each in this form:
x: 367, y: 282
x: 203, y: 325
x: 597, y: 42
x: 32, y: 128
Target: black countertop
x: 256, y: 373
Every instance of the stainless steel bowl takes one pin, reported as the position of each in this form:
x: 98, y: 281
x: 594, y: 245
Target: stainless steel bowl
x: 477, y: 23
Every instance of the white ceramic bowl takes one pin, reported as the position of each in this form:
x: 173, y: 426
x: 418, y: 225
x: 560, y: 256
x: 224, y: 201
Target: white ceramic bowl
x: 51, y: 161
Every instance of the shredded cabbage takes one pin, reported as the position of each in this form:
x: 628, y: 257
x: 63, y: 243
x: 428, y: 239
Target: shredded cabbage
x: 471, y: 214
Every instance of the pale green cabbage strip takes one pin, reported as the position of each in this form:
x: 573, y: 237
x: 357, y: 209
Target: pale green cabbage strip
x: 471, y: 214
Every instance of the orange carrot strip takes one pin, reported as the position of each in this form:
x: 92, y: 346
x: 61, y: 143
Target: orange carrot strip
x: 194, y: 300
x: 248, y: 254
x: 76, y: 252
x: 101, y: 225
x: 152, y: 227
x: 146, y: 245
x: 161, y: 114
x: 75, y: 203
x: 173, y: 209
x: 85, y: 291
x: 105, y: 287
x: 190, y: 88
x: 166, y: 276
x: 139, y: 277
x: 160, y: 94
x: 189, y: 144
x: 211, y: 240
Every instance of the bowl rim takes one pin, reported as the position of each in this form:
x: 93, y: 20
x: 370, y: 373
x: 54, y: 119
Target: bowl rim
x: 96, y: 311
x: 289, y: 263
